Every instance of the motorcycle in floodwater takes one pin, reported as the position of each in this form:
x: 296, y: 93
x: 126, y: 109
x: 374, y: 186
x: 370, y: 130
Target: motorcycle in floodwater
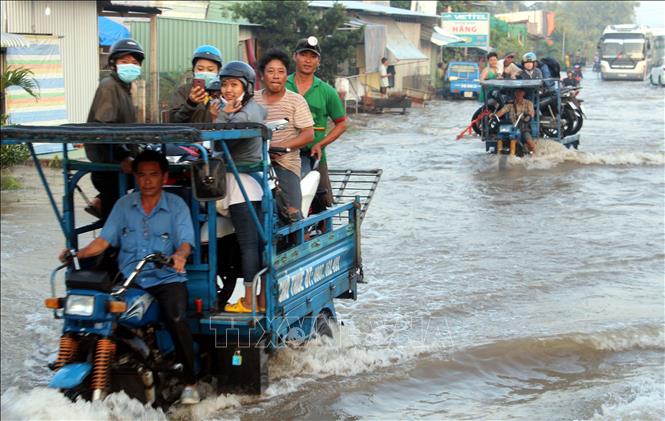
x: 572, y: 114
x: 557, y: 115
x: 114, y: 338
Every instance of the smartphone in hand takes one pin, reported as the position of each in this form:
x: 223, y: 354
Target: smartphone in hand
x: 200, y: 83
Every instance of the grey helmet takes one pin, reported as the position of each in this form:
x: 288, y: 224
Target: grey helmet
x: 239, y: 70
x: 126, y: 46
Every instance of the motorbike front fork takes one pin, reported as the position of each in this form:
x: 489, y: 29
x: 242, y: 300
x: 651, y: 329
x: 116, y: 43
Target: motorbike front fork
x: 104, y: 354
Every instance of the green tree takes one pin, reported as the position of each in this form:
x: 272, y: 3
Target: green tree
x: 24, y: 79
x: 284, y: 23
x: 583, y: 23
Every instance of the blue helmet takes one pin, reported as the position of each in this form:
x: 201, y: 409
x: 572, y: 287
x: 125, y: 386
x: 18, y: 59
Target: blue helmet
x: 207, y: 52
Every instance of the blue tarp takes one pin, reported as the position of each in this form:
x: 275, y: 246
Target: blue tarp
x: 110, y: 31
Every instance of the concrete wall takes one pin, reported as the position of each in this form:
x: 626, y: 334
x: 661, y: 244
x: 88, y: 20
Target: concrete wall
x: 75, y: 22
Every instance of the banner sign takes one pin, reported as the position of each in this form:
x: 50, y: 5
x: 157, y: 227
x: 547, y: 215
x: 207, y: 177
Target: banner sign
x: 474, y: 28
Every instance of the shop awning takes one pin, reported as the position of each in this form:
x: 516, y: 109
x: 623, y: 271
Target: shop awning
x: 441, y: 37
x: 399, y: 47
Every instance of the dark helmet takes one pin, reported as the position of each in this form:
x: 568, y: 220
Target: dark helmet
x: 239, y: 70
x: 126, y: 46
x: 309, y: 44
x: 207, y: 52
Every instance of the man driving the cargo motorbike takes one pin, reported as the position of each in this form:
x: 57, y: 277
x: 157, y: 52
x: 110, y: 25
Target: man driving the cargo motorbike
x: 523, y: 108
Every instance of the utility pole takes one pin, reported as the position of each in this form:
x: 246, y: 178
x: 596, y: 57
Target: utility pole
x: 154, y: 75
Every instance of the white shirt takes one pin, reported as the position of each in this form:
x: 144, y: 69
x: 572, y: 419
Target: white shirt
x: 383, y: 70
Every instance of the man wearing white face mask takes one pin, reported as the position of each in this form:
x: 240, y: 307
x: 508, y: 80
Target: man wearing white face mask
x: 113, y: 105
x: 191, y: 104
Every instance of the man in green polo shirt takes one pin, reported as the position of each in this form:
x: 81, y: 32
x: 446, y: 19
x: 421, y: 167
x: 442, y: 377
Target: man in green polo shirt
x: 324, y: 103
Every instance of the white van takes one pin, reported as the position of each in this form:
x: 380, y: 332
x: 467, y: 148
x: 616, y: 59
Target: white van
x: 657, y: 71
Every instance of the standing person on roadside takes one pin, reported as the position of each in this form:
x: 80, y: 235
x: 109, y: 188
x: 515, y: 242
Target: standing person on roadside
x: 113, y: 105
x: 383, y: 72
x: 284, y: 104
x: 439, y: 81
x: 324, y: 103
x: 191, y: 104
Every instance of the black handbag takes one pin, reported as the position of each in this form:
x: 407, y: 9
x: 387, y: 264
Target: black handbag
x: 209, y: 180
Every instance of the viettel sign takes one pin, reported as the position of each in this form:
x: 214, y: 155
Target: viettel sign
x: 474, y: 28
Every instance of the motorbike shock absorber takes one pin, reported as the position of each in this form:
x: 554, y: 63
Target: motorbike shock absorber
x: 100, y: 374
x: 66, y: 352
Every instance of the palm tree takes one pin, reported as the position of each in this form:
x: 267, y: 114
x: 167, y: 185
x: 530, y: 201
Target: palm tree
x: 21, y: 77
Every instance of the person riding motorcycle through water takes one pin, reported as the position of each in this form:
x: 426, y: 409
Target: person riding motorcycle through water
x: 529, y: 69
x: 113, y: 104
x: 190, y: 104
x: 577, y: 70
x: 521, y: 109
x: 139, y: 224
x: 570, y: 79
x: 237, y: 88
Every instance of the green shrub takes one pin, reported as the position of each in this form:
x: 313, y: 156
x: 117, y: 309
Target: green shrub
x: 13, y: 154
x: 8, y: 181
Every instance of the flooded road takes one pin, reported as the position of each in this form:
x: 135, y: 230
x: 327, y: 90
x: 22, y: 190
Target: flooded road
x: 530, y: 291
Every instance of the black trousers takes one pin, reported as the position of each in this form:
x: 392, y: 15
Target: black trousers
x: 172, y: 299
x: 248, y: 239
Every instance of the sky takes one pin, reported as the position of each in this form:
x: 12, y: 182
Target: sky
x: 651, y: 13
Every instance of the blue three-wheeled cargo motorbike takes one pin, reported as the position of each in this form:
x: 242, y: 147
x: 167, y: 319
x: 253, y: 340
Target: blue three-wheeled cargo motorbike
x: 113, y: 338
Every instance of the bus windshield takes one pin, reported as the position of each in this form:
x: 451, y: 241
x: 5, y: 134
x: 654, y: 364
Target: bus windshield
x: 622, y: 48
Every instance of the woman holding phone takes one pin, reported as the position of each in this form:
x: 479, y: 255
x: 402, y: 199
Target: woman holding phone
x: 191, y: 101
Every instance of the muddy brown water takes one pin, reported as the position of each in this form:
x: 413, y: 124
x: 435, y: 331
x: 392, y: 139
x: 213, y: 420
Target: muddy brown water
x: 531, y: 290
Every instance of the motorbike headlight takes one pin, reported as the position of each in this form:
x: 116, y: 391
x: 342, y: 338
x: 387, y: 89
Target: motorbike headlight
x: 80, y: 305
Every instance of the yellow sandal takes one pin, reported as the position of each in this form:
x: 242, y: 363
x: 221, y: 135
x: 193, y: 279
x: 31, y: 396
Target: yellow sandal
x: 238, y: 307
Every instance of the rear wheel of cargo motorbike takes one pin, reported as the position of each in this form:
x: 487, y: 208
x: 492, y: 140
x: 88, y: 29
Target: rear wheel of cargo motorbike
x: 323, y: 324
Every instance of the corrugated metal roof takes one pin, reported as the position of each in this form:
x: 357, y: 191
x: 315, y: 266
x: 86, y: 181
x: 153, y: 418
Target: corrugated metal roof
x: 178, y: 38
x: 371, y: 8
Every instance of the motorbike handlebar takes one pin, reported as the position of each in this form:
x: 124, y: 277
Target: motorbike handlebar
x: 159, y: 259
x: 277, y: 149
